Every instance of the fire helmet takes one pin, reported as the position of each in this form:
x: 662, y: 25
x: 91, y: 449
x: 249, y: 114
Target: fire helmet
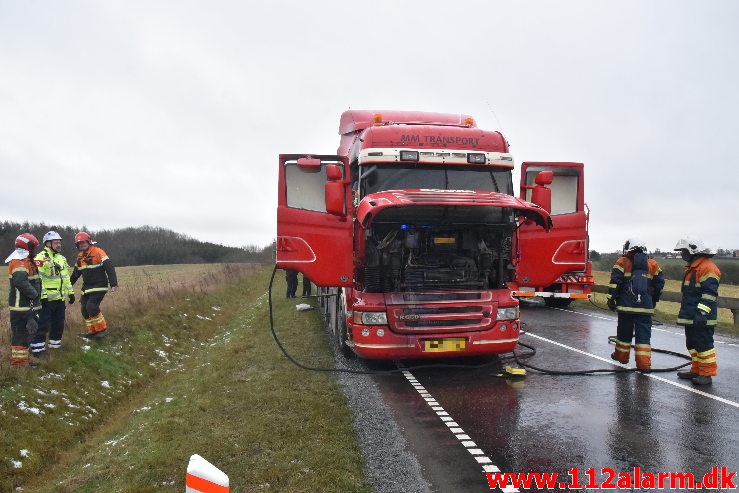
x: 82, y: 236
x: 694, y: 246
x: 634, y: 244
x: 51, y: 235
x: 26, y: 241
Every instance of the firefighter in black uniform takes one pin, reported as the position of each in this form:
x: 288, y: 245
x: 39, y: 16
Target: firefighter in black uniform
x: 634, y: 305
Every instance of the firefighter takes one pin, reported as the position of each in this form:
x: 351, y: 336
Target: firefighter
x: 56, y: 290
x: 698, y: 309
x: 633, y: 292
x: 291, y: 277
x: 98, y: 276
x: 24, y: 299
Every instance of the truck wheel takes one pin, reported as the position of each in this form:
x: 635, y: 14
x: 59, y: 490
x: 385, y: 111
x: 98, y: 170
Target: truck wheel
x: 558, y: 302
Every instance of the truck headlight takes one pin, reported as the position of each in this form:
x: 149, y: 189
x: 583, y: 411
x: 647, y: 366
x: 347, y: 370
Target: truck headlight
x: 508, y: 313
x: 370, y: 318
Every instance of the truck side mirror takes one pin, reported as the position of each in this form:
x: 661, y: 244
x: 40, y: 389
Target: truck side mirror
x: 334, y: 190
x: 333, y: 172
x: 541, y: 195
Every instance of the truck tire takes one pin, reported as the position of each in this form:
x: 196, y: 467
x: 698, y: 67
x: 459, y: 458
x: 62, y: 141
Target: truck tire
x: 558, y: 302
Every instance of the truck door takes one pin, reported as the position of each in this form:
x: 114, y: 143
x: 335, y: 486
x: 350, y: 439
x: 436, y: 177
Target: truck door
x: 314, y: 226
x: 543, y: 257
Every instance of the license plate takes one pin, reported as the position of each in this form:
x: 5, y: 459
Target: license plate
x: 444, y: 345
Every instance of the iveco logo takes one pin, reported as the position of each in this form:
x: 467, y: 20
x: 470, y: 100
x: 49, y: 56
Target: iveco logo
x: 409, y: 317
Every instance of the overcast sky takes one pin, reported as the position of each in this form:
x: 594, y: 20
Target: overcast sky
x: 171, y: 113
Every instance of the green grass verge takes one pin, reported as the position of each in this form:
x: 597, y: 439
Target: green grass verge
x: 197, y: 376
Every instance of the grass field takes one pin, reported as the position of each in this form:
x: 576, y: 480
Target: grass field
x: 139, y: 287
x: 194, y: 371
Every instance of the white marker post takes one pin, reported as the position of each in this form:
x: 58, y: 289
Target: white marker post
x: 204, y: 477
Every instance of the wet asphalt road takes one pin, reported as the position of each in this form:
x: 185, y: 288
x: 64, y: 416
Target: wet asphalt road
x: 460, y: 422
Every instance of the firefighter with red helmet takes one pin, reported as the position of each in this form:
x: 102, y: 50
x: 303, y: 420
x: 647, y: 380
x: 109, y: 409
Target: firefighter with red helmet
x: 56, y: 290
x: 634, y: 290
x: 24, y: 299
x: 98, y: 276
x: 699, y: 309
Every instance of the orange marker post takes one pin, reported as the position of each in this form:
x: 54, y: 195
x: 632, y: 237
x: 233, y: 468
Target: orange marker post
x: 204, y: 477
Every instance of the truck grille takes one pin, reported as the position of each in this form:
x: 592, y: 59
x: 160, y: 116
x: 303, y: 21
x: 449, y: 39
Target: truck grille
x: 431, y: 312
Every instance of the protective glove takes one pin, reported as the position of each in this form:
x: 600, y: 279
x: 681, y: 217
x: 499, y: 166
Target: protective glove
x: 611, y: 304
x: 71, y: 299
x: 700, y: 318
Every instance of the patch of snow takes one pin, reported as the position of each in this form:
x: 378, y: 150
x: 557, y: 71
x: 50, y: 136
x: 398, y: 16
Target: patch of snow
x: 51, y: 375
x: 24, y: 407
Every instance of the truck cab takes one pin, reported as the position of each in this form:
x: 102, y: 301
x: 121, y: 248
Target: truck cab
x: 412, y: 229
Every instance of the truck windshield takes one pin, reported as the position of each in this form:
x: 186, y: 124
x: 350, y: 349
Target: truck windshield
x: 380, y: 178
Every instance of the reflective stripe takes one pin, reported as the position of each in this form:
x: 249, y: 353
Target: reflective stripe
x: 623, y: 347
x: 19, y: 351
x: 53, y: 296
x: 632, y: 309
x: 708, y: 356
x: 643, y: 350
x: 94, y: 290
x: 687, y: 321
x: 709, y: 275
x: 709, y: 297
x: 92, y: 266
x: 704, y: 308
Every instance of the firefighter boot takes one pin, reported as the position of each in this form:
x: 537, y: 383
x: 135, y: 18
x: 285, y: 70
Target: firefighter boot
x: 702, y: 380
x: 686, y: 375
x: 621, y: 354
x: 643, y: 357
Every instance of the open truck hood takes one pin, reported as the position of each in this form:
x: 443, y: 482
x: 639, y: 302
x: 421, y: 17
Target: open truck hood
x: 447, y: 206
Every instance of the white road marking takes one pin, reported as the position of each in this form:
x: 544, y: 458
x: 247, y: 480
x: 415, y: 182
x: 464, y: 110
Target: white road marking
x: 650, y: 375
x: 464, y: 439
x: 672, y: 329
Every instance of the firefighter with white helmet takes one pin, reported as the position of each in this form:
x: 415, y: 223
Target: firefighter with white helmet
x: 56, y: 290
x: 698, y: 309
x: 23, y: 299
x: 98, y: 277
x: 633, y: 292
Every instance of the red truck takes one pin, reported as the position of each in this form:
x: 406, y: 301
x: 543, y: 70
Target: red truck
x: 416, y: 240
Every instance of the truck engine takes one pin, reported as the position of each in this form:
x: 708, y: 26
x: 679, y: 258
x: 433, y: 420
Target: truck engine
x: 403, y: 257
